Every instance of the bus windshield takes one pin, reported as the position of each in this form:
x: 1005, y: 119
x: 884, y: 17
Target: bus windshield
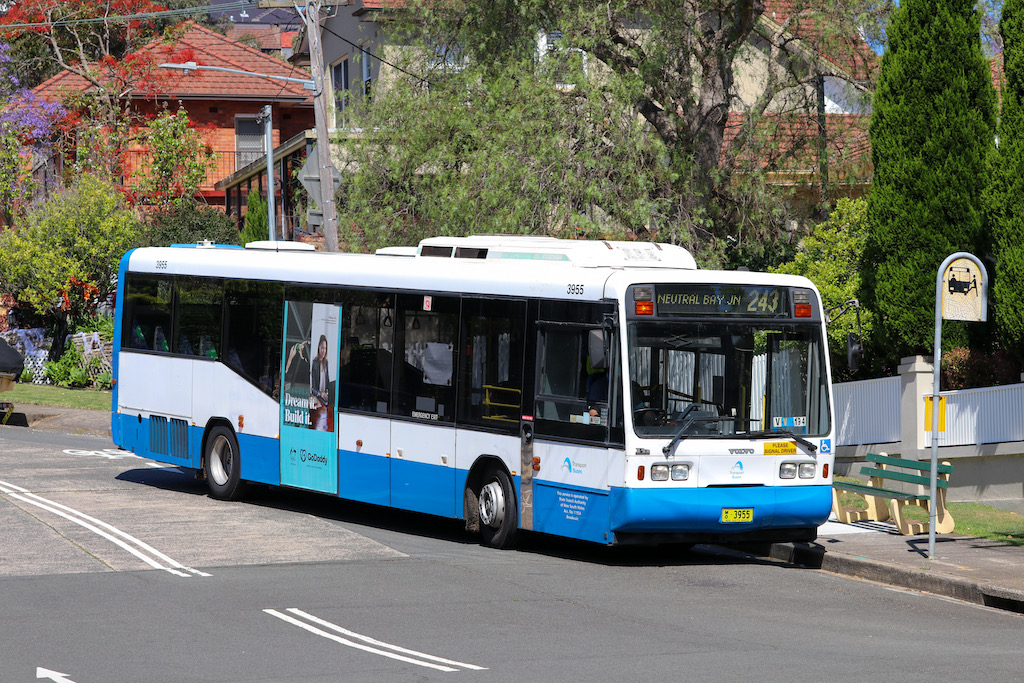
x: 723, y: 379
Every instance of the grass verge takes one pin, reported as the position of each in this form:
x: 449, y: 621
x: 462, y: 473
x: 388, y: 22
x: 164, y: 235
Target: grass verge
x: 46, y: 395
x: 971, y: 519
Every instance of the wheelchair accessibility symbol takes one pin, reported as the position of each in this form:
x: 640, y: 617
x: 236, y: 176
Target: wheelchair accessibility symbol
x: 826, y: 446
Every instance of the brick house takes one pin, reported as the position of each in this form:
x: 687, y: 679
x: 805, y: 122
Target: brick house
x: 225, y: 105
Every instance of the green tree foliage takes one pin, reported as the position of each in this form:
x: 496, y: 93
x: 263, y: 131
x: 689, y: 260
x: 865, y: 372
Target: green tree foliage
x: 257, y: 222
x: 829, y: 257
x: 517, y: 158
x: 189, y: 222
x: 932, y: 140
x: 586, y: 119
x: 1008, y: 186
x: 62, y: 260
x: 179, y: 160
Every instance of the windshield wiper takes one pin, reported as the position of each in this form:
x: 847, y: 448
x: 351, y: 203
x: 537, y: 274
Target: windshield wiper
x: 687, y: 421
x: 796, y: 437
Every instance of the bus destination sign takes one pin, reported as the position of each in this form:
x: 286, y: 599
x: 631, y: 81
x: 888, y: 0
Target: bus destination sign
x: 722, y: 300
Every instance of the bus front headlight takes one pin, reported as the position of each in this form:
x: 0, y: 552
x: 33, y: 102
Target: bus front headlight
x: 680, y: 472
x: 807, y: 470
x: 787, y: 470
x: 659, y: 472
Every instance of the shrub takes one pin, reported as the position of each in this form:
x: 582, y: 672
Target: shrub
x: 105, y: 380
x: 189, y: 222
x: 257, y: 221
x: 68, y: 371
x: 62, y: 260
x: 963, y: 368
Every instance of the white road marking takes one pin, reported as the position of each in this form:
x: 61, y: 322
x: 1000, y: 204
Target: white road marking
x: 92, y: 524
x: 55, y: 676
x: 108, y: 453
x: 442, y: 665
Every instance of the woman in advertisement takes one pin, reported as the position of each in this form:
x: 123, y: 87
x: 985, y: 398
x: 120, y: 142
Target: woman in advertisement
x: 319, y: 383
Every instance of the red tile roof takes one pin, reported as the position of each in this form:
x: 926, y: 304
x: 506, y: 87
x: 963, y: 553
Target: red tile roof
x: 787, y: 144
x: 206, y: 48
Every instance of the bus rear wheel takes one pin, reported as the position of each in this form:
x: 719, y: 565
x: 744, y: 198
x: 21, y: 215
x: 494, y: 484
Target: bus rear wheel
x: 222, y: 465
x: 499, y: 512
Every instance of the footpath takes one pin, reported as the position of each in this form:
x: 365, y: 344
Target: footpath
x: 964, y: 568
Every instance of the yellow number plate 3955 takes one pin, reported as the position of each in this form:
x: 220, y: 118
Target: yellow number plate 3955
x: 733, y: 515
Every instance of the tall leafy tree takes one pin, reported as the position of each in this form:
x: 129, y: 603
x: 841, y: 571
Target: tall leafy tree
x: 830, y: 257
x: 596, y: 117
x: 932, y: 140
x: 1008, y: 186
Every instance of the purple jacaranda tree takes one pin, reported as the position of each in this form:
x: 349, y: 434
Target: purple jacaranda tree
x: 27, y: 128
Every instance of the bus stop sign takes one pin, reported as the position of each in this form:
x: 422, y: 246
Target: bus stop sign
x: 964, y: 291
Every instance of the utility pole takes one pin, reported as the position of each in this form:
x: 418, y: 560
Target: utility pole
x: 323, y: 143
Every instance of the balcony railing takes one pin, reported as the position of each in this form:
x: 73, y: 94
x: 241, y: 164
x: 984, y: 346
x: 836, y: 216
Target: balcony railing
x: 225, y: 162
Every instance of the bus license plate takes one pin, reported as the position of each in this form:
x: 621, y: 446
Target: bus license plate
x: 733, y: 515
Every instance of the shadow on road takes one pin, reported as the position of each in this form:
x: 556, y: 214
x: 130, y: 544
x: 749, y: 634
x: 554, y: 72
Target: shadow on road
x: 445, y: 529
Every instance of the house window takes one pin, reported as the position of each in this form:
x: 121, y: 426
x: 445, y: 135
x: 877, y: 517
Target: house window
x: 341, y: 84
x: 446, y: 61
x: 564, y: 63
x: 248, y: 141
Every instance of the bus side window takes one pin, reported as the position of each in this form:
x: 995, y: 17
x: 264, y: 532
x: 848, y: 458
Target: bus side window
x: 148, y: 313
x: 253, y: 325
x: 426, y: 333
x: 199, y: 311
x: 368, y: 323
x: 491, y: 369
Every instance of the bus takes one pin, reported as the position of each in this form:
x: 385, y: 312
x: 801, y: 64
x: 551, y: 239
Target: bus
x: 598, y: 390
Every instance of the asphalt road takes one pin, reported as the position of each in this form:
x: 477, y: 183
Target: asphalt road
x: 113, y: 569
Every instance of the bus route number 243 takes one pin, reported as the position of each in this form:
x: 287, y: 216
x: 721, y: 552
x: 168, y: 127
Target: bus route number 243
x: 574, y: 290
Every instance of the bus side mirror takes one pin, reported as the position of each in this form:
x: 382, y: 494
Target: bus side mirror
x: 854, y: 350
x: 597, y: 347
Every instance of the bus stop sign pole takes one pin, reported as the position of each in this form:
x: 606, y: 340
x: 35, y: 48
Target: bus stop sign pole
x: 961, y: 293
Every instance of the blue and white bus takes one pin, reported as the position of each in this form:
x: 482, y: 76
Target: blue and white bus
x: 605, y: 391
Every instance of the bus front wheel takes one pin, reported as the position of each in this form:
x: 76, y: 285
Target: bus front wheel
x: 499, y: 516
x: 222, y: 465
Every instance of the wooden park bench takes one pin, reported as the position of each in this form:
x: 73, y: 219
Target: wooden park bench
x: 885, y: 503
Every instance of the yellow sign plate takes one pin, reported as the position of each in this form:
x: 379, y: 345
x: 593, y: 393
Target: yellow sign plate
x: 780, y: 448
x: 737, y: 515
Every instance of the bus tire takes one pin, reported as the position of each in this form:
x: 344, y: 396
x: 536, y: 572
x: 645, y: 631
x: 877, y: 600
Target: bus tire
x: 222, y: 464
x: 499, y: 511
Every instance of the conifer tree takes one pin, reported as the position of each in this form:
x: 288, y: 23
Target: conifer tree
x: 1008, y: 185
x: 932, y: 138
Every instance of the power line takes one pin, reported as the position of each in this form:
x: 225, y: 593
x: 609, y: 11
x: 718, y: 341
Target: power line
x: 362, y: 48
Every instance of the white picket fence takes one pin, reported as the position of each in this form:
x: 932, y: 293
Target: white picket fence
x: 868, y: 412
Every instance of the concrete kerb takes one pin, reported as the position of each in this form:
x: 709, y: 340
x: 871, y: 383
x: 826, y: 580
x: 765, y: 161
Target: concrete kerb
x: 814, y: 556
